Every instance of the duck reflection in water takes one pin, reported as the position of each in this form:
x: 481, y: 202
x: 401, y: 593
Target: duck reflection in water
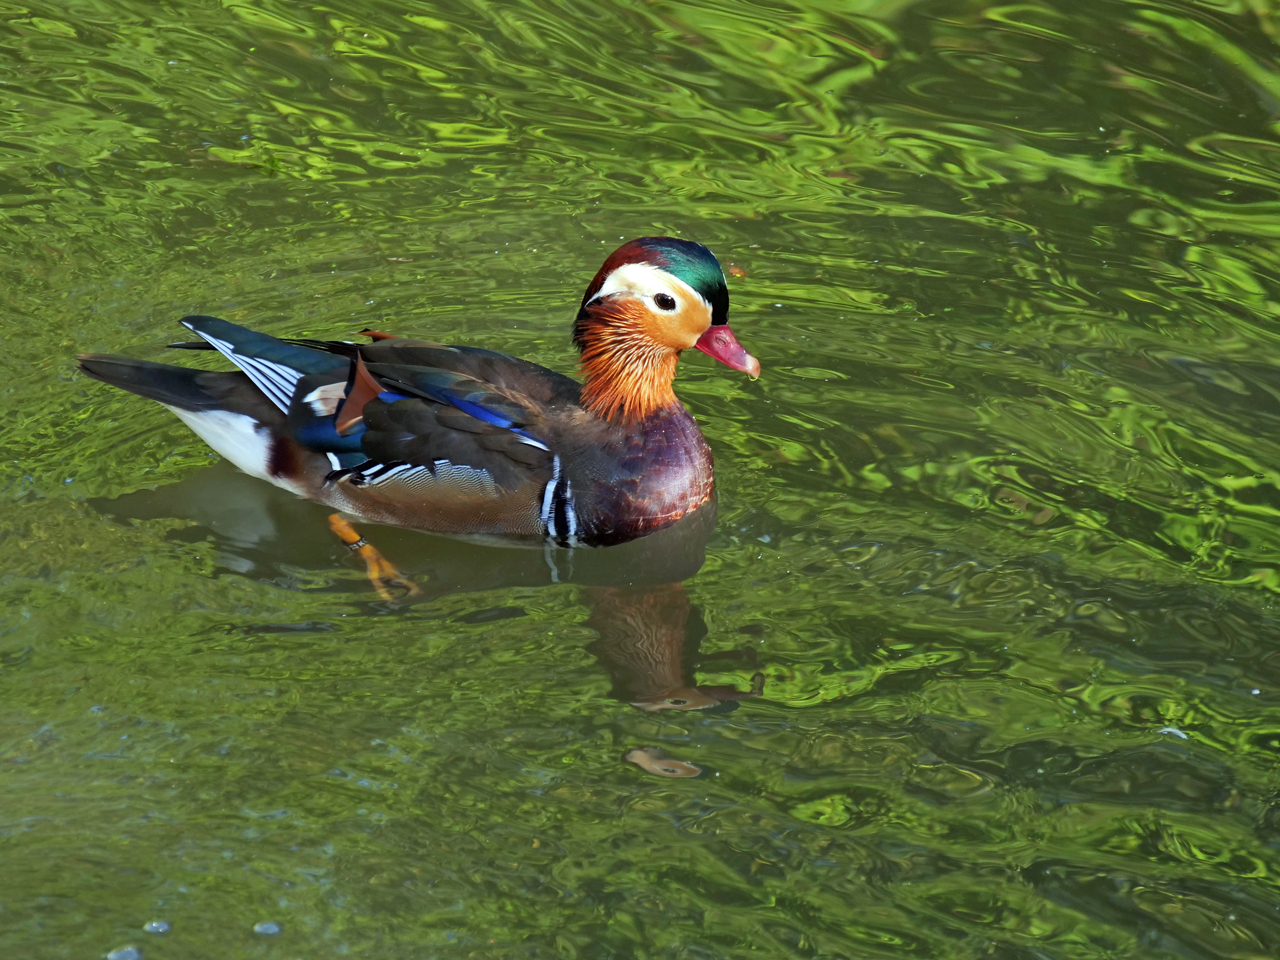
x: 648, y: 632
x: 649, y: 639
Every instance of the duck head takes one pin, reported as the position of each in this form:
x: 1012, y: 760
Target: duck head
x: 653, y: 298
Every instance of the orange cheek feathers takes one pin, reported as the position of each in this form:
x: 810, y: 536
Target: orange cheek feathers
x: 678, y: 330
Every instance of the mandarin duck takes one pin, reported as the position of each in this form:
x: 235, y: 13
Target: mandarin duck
x: 465, y: 441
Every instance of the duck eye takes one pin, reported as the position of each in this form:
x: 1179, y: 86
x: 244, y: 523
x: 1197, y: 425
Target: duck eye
x: 665, y: 301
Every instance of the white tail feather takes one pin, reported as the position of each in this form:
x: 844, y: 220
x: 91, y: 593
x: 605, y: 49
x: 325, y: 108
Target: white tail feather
x: 239, y: 438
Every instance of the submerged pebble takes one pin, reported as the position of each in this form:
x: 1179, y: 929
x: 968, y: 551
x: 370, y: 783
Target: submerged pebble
x: 125, y: 953
x: 268, y: 928
x: 156, y: 926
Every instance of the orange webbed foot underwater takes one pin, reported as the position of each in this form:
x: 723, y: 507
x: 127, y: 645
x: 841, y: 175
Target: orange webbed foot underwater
x: 382, y: 573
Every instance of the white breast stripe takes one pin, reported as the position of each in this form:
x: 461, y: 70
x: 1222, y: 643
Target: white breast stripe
x: 276, y: 380
x: 558, y: 496
x: 570, y: 515
x: 548, y: 499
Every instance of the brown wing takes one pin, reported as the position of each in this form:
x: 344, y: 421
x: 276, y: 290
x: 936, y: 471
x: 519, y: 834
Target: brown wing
x: 509, y: 375
x: 435, y: 465
x: 456, y: 437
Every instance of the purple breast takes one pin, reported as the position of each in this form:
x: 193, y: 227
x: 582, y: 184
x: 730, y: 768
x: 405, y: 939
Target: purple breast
x: 663, y: 471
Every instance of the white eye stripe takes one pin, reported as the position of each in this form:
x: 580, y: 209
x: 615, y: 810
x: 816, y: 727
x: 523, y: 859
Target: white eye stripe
x: 645, y: 281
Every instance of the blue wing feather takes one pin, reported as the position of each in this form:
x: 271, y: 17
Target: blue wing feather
x: 456, y: 390
x: 480, y: 412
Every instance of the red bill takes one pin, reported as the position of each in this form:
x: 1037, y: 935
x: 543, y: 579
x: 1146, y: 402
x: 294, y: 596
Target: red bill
x: 720, y: 343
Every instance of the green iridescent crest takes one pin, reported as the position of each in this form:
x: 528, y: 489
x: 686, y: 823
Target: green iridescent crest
x: 689, y: 261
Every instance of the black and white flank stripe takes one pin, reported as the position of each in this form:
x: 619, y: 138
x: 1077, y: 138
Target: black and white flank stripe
x: 441, y: 473
x: 559, y: 518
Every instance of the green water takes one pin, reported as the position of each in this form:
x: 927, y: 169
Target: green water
x: 998, y: 526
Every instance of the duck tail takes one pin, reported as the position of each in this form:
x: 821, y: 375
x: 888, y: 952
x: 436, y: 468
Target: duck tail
x: 174, y: 386
x: 224, y: 409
